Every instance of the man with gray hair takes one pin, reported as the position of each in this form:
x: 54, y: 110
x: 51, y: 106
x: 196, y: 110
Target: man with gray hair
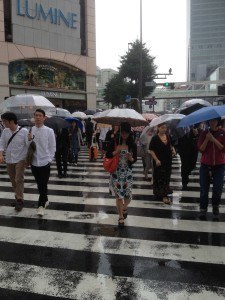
x: 14, y: 143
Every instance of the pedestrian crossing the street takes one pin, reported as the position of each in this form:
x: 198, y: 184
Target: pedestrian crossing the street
x: 76, y: 251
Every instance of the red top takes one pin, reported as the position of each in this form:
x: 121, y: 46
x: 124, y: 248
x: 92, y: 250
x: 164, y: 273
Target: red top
x: 212, y: 155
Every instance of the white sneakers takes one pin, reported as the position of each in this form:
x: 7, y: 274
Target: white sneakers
x: 40, y: 211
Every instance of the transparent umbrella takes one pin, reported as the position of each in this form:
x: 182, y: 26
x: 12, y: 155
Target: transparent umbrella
x: 24, y: 105
x: 166, y: 118
x: 79, y: 115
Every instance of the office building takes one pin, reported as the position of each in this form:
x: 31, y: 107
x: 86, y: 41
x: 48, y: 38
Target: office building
x: 103, y: 77
x: 206, y: 38
x: 49, y: 48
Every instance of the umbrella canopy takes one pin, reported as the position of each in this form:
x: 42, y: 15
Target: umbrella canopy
x: 61, y: 112
x: 27, y: 100
x: 89, y: 112
x: 118, y: 115
x: 149, y: 116
x: 147, y: 130
x: 25, y: 123
x: 100, y: 125
x: 192, y: 105
x: 172, y: 119
x: 72, y: 119
x: 79, y: 115
x: 203, y: 114
x: 24, y: 105
x: 56, y: 123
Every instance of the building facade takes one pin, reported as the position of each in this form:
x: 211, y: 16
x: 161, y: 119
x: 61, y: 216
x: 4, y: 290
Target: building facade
x: 103, y: 77
x: 49, y: 48
x: 206, y: 38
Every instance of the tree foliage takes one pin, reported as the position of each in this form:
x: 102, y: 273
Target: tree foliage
x: 126, y: 82
x: 115, y: 91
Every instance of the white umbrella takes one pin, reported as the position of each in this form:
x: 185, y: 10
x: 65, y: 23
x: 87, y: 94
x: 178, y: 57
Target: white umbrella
x: 167, y: 118
x: 79, y: 115
x: 118, y: 115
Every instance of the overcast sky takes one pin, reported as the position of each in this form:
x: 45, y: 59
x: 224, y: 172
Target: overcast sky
x: 163, y: 31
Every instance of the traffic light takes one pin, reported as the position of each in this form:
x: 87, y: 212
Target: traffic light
x: 169, y: 85
x: 221, y: 90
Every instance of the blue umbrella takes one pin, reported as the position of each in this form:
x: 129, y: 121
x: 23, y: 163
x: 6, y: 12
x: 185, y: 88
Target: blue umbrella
x: 72, y: 119
x: 203, y: 114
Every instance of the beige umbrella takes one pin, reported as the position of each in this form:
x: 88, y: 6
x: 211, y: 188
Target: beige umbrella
x: 149, y: 116
x: 118, y: 115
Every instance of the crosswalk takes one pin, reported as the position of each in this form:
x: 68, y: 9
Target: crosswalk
x: 77, y: 251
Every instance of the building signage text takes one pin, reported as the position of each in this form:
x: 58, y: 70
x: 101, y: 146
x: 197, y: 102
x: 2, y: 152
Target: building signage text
x: 51, y: 94
x: 55, y: 15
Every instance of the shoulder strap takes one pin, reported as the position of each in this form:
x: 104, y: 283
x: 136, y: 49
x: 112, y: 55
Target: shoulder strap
x: 9, y: 141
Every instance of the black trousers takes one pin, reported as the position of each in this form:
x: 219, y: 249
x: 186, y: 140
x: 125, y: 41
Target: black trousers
x: 89, y: 139
x: 41, y: 175
x: 188, y: 163
x: 61, y: 157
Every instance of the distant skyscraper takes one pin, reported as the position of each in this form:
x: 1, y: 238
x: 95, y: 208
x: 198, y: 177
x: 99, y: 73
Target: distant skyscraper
x: 206, y: 33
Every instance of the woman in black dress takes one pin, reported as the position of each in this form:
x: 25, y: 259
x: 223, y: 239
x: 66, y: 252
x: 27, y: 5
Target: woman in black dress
x: 161, y: 151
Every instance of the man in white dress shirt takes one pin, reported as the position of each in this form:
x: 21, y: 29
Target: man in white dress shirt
x: 44, y: 139
x: 14, y: 142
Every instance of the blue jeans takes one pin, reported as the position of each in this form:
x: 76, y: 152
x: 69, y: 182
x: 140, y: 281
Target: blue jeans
x: 217, y: 180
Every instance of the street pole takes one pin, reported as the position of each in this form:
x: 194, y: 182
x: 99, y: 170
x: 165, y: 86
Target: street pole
x: 141, y: 63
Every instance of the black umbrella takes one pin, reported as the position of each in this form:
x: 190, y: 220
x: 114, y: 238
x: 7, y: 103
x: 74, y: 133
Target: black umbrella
x: 25, y: 122
x: 188, y: 110
x: 192, y: 105
x: 89, y: 112
x: 56, y: 123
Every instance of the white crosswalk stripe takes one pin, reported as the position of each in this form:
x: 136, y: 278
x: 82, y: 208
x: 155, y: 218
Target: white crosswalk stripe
x: 76, y: 251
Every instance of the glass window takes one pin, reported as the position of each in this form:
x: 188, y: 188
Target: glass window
x: 46, y: 74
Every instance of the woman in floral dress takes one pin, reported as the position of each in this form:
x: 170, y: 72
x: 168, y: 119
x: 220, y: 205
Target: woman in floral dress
x: 121, y: 180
